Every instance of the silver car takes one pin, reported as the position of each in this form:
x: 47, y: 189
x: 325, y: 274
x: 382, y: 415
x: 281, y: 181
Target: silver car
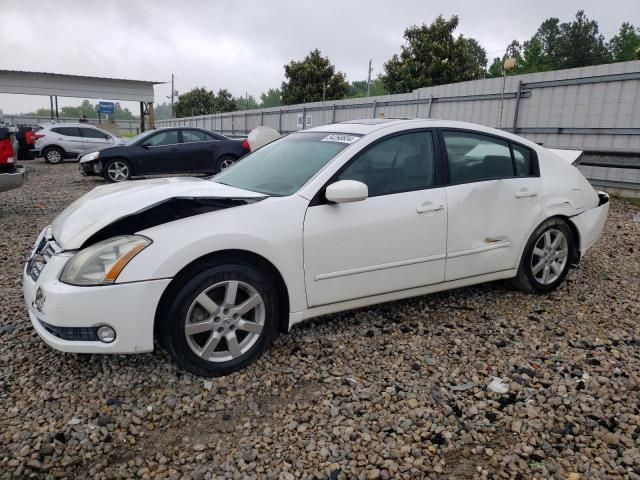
x: 58, y: 141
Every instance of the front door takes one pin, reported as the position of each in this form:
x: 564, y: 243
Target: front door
x: 394, y: 240
x: 494, y: 201
x: 158, y: 153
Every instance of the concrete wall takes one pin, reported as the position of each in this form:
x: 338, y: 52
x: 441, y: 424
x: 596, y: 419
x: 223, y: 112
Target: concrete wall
x: 591, y: 108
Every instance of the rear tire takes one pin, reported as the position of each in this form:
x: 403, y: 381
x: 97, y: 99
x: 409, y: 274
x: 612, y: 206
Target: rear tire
x: 547, y: 257
x: 116, y: 170
x: 53, y: 155
x: 221, y: 319
x: 225, y: 162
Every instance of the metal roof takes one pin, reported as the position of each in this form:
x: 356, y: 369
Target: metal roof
x: 63, y: 85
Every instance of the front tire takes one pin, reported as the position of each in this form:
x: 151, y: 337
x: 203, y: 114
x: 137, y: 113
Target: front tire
x: 116, y: 170
x: 221, y: 319
x: 547, y: 257
x: 53, y: 155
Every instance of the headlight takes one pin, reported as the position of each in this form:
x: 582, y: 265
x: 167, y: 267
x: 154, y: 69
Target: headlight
x: 89, y: 156
x: 100, y: 264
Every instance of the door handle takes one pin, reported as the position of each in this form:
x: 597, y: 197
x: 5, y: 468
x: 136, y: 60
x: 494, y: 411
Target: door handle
x: 525, y: 192
x: 429, y: 207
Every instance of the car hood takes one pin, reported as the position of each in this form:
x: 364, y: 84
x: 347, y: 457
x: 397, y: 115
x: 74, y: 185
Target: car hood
x: 107, y: 204
x: 99, y: 149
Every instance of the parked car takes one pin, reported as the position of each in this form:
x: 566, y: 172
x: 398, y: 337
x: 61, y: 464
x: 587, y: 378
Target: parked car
x: 59, y: 141
x: 11, y: 175
x: 323, y: 220
x: 163, y: 151
x: 26, y: 142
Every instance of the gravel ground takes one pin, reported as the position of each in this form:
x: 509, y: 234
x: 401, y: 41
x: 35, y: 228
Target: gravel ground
x: 394, y: 391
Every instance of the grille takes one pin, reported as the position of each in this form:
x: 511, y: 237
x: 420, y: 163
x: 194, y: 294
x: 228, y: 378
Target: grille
x: 44, y: 251
x: 72, y: 333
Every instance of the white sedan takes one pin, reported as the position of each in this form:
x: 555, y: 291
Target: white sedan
x: 323, y: 220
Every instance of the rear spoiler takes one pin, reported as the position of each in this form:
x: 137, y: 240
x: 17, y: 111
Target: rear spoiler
x: 570, y: 156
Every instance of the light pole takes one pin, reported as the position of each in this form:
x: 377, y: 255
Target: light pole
x: 369, y: 80
x: 508, y: 64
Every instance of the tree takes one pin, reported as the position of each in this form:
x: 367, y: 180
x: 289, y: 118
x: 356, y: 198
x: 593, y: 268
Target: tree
x: 198, y: 101
x: 580, y: 44
x: 162, y: 111
x: 625, y: 46
x: 495, y: 70
x: 246, y: 103
x: 358, y: 88
x: 433, y: 56
x: 271, y: 98
x: 224, y: 102
x: 312, y: 79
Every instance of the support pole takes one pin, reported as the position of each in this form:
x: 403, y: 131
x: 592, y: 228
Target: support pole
x: 57, y: 115
x: 141, y: 116
x: 51, y: 110
x: 304, y: 117
x: 430, y: 103
x: 517, y: 110
x: 375, y: 107
x: 152, y: 124
x: 333, y: 114
x: 280, y: 121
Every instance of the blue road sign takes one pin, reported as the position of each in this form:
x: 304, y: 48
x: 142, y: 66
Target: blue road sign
x: 107, y: 107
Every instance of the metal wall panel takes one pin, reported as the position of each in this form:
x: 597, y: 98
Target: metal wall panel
x: 602, y: 102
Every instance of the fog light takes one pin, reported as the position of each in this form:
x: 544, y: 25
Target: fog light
x: 39, y: 301
x: 106, y: 334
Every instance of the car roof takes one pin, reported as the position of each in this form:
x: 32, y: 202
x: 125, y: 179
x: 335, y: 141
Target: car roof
x: 370, y: 125
x: 69, y: 124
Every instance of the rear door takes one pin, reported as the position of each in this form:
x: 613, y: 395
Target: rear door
x: 69, y: 139
x: 198, y: 151
x: 158, y: 153
x: 94, y: 138
x: 494, y: 201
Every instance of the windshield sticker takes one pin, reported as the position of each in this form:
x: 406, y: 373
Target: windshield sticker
x: 340, y: 138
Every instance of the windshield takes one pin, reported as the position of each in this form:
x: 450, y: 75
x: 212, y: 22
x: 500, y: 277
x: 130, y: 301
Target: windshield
x: 282, y: 167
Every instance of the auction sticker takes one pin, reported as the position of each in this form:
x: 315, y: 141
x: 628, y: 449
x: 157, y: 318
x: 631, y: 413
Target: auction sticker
x: 335, y: 137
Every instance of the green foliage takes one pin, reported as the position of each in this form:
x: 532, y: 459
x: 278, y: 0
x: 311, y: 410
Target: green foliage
x: 433, y: 56
x: 201, y: 101
x: 162, y: 111
x: 358, y: 88
x: 271, y: 98
x: 86, y: 110
x: 308, y: 79
x: 625, y: 46
x: 246, y: 103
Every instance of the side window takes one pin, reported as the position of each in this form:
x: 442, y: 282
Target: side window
x: 92, y: 133
x: 399, y: 164
x: 168, y: 137
x: 522, y: 157
x: 67, y: 131
x: 474, y: 157
x: 189, y: 136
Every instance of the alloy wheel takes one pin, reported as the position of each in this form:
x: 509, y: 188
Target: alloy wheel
x: 54, y: 156
x: 550, y: 256
x: 225, y: 321
x: 226, y: 163
x: 118, y: 171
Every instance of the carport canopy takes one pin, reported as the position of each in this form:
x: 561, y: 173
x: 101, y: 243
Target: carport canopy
x: 56, y: 84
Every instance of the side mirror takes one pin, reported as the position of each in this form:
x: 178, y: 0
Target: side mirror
x: 347, y: 191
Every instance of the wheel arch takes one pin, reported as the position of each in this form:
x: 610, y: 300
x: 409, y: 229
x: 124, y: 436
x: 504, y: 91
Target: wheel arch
x: 52, y: 145
x: 235, y: 255
x: 104, y: 161
x: 575, y: 253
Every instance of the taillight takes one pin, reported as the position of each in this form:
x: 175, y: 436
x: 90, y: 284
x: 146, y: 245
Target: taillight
x: 245, y: 144
x: 29, y: 137
x: 6, y: 151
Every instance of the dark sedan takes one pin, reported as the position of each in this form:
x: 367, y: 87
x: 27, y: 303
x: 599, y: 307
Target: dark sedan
x: 164, y: 151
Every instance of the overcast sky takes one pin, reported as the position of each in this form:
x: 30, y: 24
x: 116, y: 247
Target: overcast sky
x: 243, y: 45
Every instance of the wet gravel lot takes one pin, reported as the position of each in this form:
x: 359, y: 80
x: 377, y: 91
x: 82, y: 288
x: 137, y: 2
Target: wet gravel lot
x: 394, y: 391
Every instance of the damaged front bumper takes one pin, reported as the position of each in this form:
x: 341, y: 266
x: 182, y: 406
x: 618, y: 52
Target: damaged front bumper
x: 590, y: 224
x: 90, y: 168
x: 67, y: 317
